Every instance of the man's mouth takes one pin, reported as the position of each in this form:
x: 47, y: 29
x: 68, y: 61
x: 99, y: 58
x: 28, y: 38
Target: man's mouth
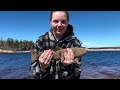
x: 59, y: 29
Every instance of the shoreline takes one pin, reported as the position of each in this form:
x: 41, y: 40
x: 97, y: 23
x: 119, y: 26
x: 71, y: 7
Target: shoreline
x: 103, y: 49
x: 10, y: 51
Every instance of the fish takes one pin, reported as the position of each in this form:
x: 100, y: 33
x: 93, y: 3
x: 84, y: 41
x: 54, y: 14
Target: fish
x: 78, y: 52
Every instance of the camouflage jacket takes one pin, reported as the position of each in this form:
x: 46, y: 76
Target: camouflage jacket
x: 56, y: 70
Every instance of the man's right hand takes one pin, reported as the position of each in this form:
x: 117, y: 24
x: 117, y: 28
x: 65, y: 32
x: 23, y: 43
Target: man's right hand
x: 45, y: 58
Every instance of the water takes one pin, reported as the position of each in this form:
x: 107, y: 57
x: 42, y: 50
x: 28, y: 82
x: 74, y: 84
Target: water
x: 95, y: 65
x: 101, y: 65
x: 14, y: 66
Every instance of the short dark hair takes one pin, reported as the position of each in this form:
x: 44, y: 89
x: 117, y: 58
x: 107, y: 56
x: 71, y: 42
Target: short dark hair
x: 62, y: 11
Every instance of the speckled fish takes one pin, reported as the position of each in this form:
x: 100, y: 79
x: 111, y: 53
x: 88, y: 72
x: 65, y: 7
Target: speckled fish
x: 78, y: 52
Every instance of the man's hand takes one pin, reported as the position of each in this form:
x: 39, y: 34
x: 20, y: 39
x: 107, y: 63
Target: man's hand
x: 45, y: 58
x: 67, y: 57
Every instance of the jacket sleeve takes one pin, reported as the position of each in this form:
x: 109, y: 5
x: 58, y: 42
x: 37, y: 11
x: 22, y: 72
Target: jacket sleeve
x: 72, y: 71
x: 35, y: 68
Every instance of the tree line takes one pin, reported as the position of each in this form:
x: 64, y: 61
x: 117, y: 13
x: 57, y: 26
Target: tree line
x: 16, y: 45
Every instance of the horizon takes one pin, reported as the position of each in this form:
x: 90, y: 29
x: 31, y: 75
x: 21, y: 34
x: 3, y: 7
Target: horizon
x: 92, y: 28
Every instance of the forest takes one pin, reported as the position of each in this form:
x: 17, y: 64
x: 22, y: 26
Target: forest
x: 16, y: 45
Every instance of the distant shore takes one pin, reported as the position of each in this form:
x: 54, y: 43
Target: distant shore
x: 103, y: 49
x: 10, y: 51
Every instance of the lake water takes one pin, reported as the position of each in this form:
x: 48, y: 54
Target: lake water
x: 14, y: 65
x: 95, y: 65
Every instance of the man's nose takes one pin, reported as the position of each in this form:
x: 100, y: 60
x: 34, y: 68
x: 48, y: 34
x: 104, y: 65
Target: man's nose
x: 59, y: 24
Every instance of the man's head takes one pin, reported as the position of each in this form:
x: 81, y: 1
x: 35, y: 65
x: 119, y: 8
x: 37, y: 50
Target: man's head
x: 59, y: 22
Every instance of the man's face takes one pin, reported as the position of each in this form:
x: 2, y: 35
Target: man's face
x: 59, y: 23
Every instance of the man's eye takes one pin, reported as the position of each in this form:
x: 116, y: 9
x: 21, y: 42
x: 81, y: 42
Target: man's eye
x: 56, y: 21
x: 63, y: 21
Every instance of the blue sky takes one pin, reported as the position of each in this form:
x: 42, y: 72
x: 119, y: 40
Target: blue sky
x: 93, y: 28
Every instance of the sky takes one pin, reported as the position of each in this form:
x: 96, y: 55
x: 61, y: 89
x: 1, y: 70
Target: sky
x: 92, y: 28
